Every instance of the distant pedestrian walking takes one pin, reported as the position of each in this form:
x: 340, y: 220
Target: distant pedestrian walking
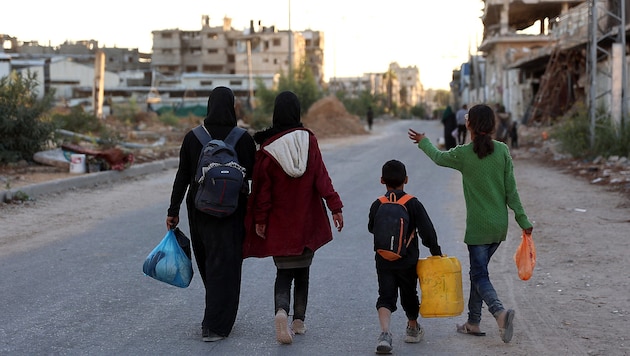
x: 370, y: 117
x: 503, y: 124
x: 514, y: 135
x: 461, y: 124
x: 450, y: 124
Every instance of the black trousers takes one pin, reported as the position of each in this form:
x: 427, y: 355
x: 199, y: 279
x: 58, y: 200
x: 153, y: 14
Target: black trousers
x: 282, y: 290
x: 461, y: 134
x: 405, y: 280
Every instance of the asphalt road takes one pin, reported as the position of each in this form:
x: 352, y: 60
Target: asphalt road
x: 86, y: 294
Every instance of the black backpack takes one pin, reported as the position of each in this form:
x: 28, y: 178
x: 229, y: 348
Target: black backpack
x: 220, y: 176
x: 391, y: 227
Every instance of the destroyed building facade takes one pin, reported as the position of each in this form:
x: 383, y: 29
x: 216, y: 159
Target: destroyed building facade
x: 538, y: 57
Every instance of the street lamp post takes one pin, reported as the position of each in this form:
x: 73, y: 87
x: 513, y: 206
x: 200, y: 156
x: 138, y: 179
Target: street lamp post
x: 290, y: 46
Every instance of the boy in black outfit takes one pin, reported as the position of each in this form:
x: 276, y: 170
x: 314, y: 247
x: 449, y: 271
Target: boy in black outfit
x: 401, y: 274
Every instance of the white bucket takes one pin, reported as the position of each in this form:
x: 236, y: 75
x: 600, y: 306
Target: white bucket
x: 77, y: 163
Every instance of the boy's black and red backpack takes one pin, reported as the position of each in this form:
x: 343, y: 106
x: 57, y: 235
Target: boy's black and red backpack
x: 391, y: 227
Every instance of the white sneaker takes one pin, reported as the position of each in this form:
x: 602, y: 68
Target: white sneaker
x: 283, y: 334
x: 414, y: 335
x: 384, y: 343
x: 298, y: 326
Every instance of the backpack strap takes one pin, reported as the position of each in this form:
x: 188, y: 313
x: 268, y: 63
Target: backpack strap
x: 234, y: 135
x: 232, y: 138
x: 392, y: 199
x: 202, y: 134
x: 405, y: 198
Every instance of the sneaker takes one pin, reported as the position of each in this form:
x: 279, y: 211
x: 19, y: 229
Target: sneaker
x: 414, y: 334
x: 209, y: 336
x: 384, y: 345
x: 298, y: 326
x: 283, y: 334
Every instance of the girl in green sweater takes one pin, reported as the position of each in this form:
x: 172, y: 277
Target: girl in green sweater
x: 489, y: 189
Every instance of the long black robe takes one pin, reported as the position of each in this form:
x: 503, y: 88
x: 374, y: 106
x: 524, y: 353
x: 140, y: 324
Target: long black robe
x: 450, y: 123
x: 217, y: 242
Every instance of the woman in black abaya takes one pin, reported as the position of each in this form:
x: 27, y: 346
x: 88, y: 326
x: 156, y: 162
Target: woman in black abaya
x: 217, y: 242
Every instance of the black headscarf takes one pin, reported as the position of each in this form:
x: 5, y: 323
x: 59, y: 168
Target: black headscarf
x: 220, y: 108
x: 286, y: 116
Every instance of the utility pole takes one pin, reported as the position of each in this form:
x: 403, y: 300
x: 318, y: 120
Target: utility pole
x: 99, y: 84
x: 290, y: 46
x: 250, y: 100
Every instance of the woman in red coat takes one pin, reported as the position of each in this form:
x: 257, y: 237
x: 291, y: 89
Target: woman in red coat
x: 286, y: 216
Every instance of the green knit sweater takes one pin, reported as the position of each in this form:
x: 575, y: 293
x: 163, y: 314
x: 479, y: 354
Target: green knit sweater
x: 489, y: 189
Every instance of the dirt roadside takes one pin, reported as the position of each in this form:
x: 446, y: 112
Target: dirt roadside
x: 579, y: 296
x: 576, y: 303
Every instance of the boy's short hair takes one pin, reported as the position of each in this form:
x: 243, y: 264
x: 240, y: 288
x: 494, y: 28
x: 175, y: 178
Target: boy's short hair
x: 393, y: 173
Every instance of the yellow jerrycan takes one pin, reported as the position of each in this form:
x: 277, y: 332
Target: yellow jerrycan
x: 441, y: 286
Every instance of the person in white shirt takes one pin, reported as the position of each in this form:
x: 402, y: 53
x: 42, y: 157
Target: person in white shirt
x: 461, y: 124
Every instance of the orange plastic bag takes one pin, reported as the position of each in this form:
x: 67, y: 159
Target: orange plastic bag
x: 525, y: 257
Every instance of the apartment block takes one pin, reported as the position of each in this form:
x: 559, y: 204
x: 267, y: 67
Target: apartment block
x: 400, y: 85
x: 314, y: 53
x: 410, y: 88
x: 208, y: 50
x: 254, y: 51
x: 267, y: 50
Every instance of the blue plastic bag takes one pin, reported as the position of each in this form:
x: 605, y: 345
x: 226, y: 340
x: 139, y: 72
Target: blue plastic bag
x: 168, y: 262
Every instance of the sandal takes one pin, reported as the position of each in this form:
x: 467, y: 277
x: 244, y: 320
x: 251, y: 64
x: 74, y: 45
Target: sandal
x: 507, y: 330
x: 467, y: 329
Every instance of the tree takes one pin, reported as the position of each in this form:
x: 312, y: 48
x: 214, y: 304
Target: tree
x: 24, y: 126
x: 442, y: 97
x: 359, y: 105
x: 306, y: 87
x: 389, y: 77
x: 303, y: 84
x: 419, y: 111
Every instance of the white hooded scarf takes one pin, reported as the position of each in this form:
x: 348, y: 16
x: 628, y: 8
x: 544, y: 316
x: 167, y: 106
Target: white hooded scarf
x: 291, y: 152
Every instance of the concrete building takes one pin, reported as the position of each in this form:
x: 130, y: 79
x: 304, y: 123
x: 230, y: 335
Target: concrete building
x: 133, y: 67
x: 67, y: 77
x: 400, y: 85
x: 5, y: 65
x: 184, y: 66
x: 255, y: 51
x: 314, y: 56
x: 207, y: 50
x: 269, y: 51
x: 352, y: 87
x: 539, y: 58
x: 505, y: 42
x: 411, y: 91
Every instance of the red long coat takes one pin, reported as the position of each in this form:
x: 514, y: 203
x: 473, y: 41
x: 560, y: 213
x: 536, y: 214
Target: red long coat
x: 292, y: 208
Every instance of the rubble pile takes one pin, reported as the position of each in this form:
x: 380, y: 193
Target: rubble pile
x: 328, y: 118
x: 612, y: 172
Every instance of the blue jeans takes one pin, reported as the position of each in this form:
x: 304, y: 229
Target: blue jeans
x: 481, y: 290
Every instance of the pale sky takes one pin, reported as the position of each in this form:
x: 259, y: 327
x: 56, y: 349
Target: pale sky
x: 360, y: 36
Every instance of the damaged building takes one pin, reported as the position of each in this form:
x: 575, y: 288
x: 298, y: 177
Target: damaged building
x: 538, y: 58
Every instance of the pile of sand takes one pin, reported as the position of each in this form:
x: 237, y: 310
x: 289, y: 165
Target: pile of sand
x: 328, y: 118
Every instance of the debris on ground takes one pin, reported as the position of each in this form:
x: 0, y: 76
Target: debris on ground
x: 328, y: 118
x: 116, y: 158
x: 612, y: 172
